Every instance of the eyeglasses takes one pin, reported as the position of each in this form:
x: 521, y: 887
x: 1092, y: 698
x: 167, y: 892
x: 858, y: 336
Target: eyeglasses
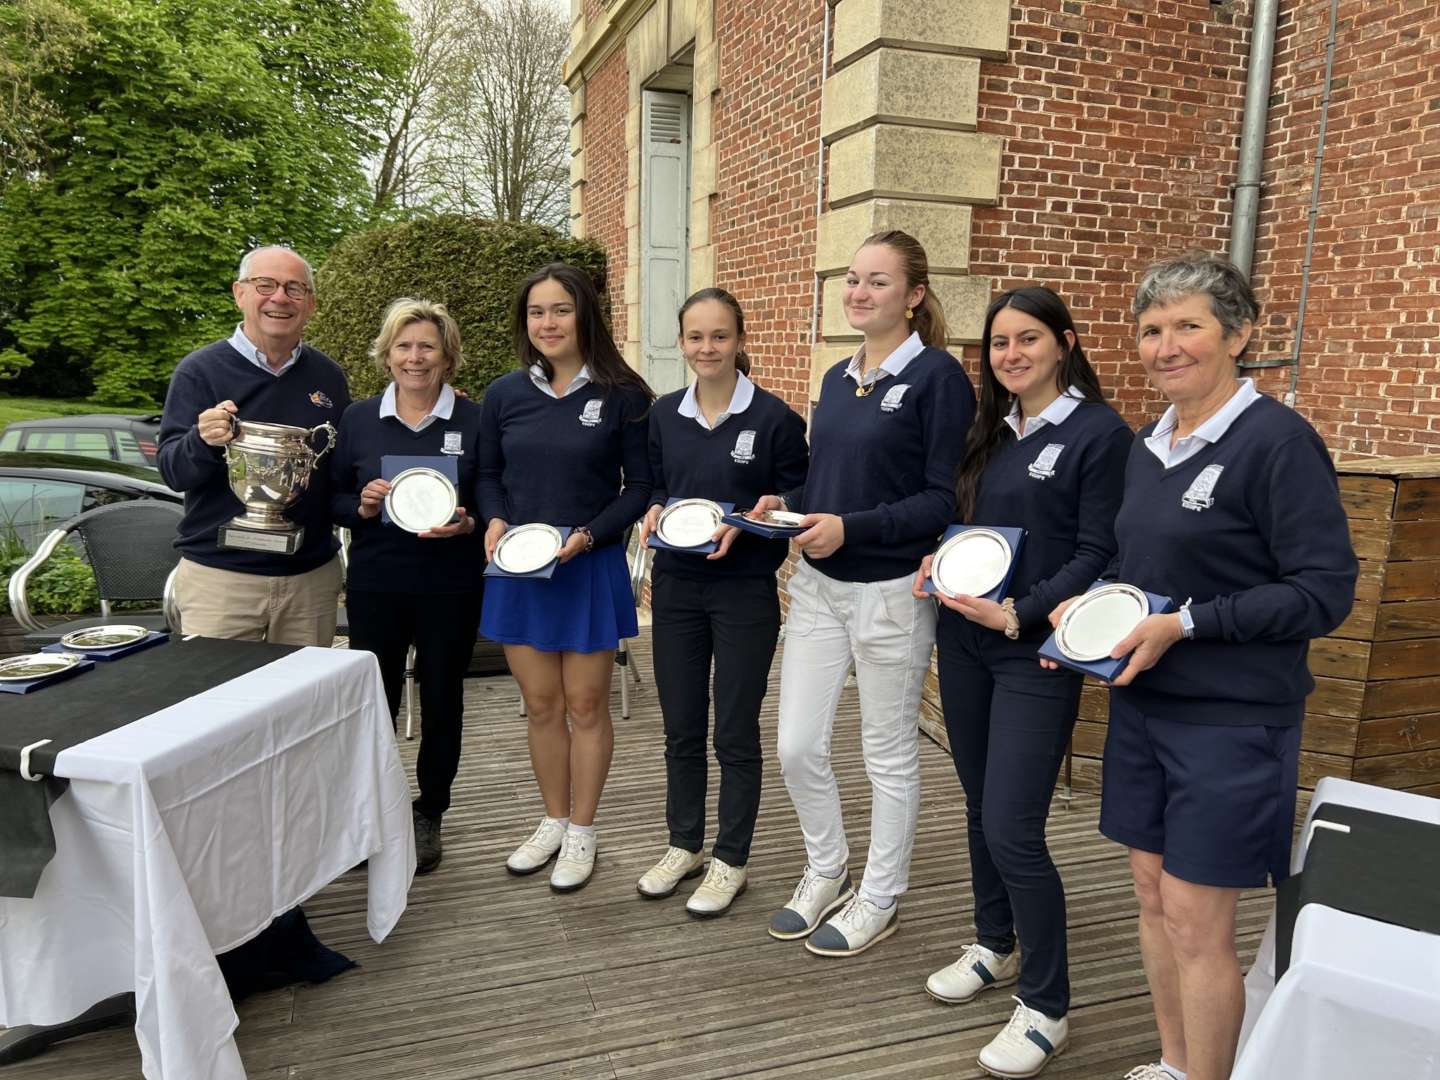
x: 266, y: 286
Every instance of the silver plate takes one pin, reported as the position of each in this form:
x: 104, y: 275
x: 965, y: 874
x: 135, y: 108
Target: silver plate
x: 527, y: 548
x: 1098, y: 621
x: 421, y: 499
x: 35, y: 666
x: 104, y: 637
x: 971, y: 563
x: 689, y: 523
x: 778, y: 519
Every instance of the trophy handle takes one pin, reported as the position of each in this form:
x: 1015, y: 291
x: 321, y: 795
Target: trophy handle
x: 329, y: 430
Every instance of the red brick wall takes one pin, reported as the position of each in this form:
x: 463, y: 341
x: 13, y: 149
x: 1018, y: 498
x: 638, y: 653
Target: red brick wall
x: 1120, y: 123
x: 1122, y: 127
x: 767, y: 130
x: 1370, y: 356
x: 607, y: 97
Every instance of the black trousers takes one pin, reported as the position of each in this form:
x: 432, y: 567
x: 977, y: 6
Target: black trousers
x: 443, y: 628
x: 735, y: 622
x: 1009, y: 721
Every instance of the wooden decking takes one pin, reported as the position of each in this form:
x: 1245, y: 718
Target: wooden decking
x: 488, y: 975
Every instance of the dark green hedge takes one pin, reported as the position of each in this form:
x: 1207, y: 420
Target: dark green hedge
x: 472, y: 266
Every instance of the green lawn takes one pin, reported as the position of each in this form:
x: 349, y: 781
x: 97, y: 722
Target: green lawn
x: 13, y: 408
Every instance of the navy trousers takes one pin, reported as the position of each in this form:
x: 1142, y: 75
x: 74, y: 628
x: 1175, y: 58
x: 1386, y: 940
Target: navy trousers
x: 443, y: 627
x: 1009, y: 721
x: 735, y: 623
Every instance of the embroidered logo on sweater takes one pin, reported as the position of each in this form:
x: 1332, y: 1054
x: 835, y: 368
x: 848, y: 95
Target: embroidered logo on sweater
x: 1200, y: 494
x: 744, y: 451
x: 893, y: 397
x: 590, y: 415
x: 1043, y: 467
x: 321, y: 400
x: 452, y: 443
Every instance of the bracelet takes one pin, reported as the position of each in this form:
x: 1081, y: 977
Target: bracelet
x: 1012, y: 620
x: 584, y: 530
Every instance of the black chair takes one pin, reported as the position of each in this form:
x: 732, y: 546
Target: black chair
x: 130, y: 546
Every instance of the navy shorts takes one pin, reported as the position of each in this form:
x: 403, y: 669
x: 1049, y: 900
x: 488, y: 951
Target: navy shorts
x: 1216, y: 801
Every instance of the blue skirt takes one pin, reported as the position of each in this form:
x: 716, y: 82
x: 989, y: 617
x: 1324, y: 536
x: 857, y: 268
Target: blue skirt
x: 586, y: 606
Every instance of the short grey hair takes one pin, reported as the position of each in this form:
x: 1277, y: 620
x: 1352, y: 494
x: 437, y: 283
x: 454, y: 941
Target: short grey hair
x: 249, y: 257
x: 1232, y: 301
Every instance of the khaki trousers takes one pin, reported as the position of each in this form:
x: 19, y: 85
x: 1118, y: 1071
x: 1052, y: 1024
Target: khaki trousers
x: 294, y: 610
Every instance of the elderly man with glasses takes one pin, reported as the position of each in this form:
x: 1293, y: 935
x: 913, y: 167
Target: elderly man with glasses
x: 261, y: 372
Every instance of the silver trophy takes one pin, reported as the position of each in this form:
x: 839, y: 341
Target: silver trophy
x: 269, y: 467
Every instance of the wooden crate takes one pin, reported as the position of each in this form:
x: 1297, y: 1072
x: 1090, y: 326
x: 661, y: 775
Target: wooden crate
x: 1375, y: 712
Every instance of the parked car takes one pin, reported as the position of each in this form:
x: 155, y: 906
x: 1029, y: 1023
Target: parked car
x: 39, y: 491
x: 132, y: 440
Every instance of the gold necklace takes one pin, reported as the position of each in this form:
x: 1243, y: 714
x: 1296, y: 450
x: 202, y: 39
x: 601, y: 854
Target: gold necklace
x: 863, y: 388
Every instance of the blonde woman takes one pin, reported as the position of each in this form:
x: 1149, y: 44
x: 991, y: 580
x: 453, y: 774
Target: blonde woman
x: 405, y: 588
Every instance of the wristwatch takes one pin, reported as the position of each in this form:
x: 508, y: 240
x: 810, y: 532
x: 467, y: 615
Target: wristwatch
x: 1187, y: 622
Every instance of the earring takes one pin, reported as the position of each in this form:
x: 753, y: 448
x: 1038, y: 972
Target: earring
x: 909, y: 313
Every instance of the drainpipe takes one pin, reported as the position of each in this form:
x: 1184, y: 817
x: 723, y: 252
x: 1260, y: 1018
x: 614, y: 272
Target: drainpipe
x: 1246, y: 213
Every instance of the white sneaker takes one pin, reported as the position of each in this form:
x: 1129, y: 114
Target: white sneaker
x: 815, y: 897
x: 977, y: 969
x: 534, y: 853
x: 576, y: 862
x: 1025, y: 1044
x: 859, y: 925
x: 722, y: 884
x: 675, y: 866
x: 1149, y: 1072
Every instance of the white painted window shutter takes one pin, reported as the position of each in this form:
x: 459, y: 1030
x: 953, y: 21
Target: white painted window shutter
x: 664, y: 227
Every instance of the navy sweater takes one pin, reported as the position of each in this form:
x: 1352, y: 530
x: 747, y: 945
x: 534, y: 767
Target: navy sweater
x: 1251, y: 529
x: 310, y: 392
x: 384, y: 557
x: 1065, y: 501
x: 754, y: 453
x: 561, y: 461
x: 886, y: 464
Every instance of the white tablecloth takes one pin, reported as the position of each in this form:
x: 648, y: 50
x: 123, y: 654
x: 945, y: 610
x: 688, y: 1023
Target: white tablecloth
x: 184, y: 833
x: 1334, y: 946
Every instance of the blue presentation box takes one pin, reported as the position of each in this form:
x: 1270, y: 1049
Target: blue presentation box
x: 492, y: 568
x: 1106, y: 670
x: 654, y: 541
x: 392, y: 465
x: 150, y: 640
x: 1014, y: 537
x: 769, y: 532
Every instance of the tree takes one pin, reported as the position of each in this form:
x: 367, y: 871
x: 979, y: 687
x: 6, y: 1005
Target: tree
x: 413, y: 120
x: 503, y: 151
x: 184, y: 132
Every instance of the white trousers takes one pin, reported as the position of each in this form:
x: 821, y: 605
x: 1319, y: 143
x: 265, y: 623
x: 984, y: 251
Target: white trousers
x: 889, y: 635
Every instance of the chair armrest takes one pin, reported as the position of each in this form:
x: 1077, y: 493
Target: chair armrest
x: 169, y: 604
x: 19, y: 606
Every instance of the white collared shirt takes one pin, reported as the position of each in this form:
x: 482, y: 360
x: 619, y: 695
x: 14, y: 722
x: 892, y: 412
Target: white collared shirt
x: 1057, y: 412
x: 248, y: 349
x: 537, y: 376
x: 1207, y: 433
x: 894, y: 364
x: 444, y: 406
x: 739, y: 401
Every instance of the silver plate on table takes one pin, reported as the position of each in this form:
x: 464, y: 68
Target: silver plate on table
x: 689, y: 523
x: 35, y: 666
x: 421, y: 499
x: 1098, y: 621
x: 527, y: 548
x: 104, y: 637
x: 777, y: 519
x: 971, y: 563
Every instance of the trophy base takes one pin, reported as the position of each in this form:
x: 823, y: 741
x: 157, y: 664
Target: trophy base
x: 234, y: 538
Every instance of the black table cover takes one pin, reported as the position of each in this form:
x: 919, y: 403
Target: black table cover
x: 1385, y: 868
x: 114, y: 694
